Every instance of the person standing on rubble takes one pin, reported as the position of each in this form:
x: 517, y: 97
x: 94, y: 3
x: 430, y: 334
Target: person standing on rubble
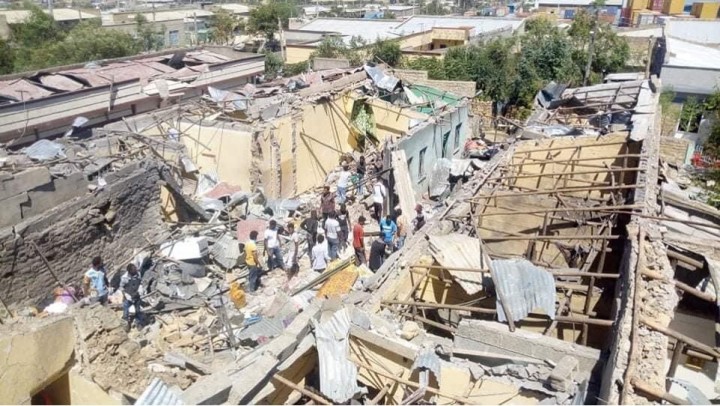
x: 272, y: 247
x: 131, y: 287
x: 343, y: 183
x: 310, y: 225
x: 332, y: 233
x: 253, y: 262
x: 294, y: 251
x: 319, y: 255
x: 379, y: 193
x: 388, y: 231
x: 360, y: 170
x: 419, y: 220
x: 95, y: 282
x: 377, y: 254
x: 343, y: 217
x: 402, y: 228
x: 327, y: 203
x: 359, y: 240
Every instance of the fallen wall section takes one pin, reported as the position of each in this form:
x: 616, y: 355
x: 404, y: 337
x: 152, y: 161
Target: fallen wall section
x: 109, y: 223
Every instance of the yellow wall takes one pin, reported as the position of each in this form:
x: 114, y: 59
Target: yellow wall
x: 673, y: 6
x: 33, y: 356
x: 297, y: 54
x: 705, y: 10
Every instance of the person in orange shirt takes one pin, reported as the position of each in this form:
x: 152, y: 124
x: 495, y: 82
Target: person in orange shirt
x: 359, y: 240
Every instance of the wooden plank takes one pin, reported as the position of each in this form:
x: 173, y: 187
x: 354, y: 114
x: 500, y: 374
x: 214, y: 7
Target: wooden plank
x: 403, y: 183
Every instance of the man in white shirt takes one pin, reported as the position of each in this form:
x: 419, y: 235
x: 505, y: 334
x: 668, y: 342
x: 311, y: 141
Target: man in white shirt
x: 319, y: 255
x: 379, y: 193
x: 342, y: 184
x: 272, y: 247
x: 332, y: 229
x: 294, y: 250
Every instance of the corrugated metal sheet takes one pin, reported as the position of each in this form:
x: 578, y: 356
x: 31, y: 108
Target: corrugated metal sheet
x: 525, y: 287
x: 22, y: 90
x: 459, y: 251
x: 61, y: 82
x: 226, y: 251
x: 338, y: 376
x: 266, y: 328
x: 158, y: 393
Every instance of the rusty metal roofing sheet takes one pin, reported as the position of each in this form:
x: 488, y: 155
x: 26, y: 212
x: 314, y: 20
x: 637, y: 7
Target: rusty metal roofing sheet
x: 459, y: 251
x: 22, y: 90
x: 158, y: 393
x: 525, y: 287
x: 89, y: 75
x: 205, y: 57
x: 338, y: 376
x: 61, y: 82
x: 117, y: 72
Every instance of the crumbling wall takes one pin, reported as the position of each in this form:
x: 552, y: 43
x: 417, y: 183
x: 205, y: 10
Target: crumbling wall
x: 419, y: 77
x: 110, y: 223
x: 33, y: 355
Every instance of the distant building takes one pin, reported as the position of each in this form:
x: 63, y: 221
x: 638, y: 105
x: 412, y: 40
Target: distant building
x: 418, y: 35
x: 687, y: 58
x: 178, y: 25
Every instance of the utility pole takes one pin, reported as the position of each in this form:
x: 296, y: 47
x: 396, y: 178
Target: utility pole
x: 282, y: 40
x: 591, y: 47
x: 50, y: 8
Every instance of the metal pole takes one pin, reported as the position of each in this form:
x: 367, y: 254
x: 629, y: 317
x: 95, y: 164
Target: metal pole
x: 590, y: 48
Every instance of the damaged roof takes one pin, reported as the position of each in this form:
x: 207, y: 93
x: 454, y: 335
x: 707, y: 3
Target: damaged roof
x: 96, y: 74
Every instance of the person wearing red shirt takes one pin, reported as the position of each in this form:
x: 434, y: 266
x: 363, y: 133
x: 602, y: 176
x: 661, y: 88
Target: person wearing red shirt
x: 358, y: 240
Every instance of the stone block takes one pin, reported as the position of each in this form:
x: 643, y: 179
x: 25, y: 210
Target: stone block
x: 23, y: 181
x: 11, y: 213
x: 562, y: 376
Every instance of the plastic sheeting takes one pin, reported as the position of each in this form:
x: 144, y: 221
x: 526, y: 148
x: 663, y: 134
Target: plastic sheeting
x: 45, y: 150
x: 439, y: 177
x: 239, y: 102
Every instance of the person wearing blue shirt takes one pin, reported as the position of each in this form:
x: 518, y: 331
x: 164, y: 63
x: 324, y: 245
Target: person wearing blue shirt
x: 388, y: 229
x: 95, y: 281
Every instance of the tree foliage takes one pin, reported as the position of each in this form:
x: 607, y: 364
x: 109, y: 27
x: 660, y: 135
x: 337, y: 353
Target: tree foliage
x: 224, y: 26
x: 43, y: 43
x: 511, y: 70
x: 37, y: 30
x: 386, y: 52
x: 150, y: 38
x: 265, y: 18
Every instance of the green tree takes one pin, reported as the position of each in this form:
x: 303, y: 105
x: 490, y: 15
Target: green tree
x: 224, y: 24
x: 149, y: 37
x: 330, y: 47
x: 273, y: 64
x: 610, y: 51
x: 388, y: 15
x: 7, y: 57
x: 37, y: 30
x: 434, y: 8
x: 386, y: 51
x: 88, y: 41
x: 434, y: 66
x: 265, y: 18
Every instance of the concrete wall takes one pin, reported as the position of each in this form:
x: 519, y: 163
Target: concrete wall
x: 165, y: 26
x: 34, y: 355
x: 420, y: 77
x: 70, y: 234
x: 690, y: 81
x: 298, y: 53
x: 430, y: 139
x: 330, y: 63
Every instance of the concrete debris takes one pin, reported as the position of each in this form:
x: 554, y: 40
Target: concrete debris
x: 513, y: 266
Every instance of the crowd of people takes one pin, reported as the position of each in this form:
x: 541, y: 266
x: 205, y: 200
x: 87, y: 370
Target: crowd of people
x: 328, y: 234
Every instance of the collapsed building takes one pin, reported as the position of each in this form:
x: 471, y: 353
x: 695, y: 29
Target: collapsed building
x: 567, y: 268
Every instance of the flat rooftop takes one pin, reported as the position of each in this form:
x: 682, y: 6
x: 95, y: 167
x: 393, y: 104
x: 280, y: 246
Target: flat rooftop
x: 372, y: 30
